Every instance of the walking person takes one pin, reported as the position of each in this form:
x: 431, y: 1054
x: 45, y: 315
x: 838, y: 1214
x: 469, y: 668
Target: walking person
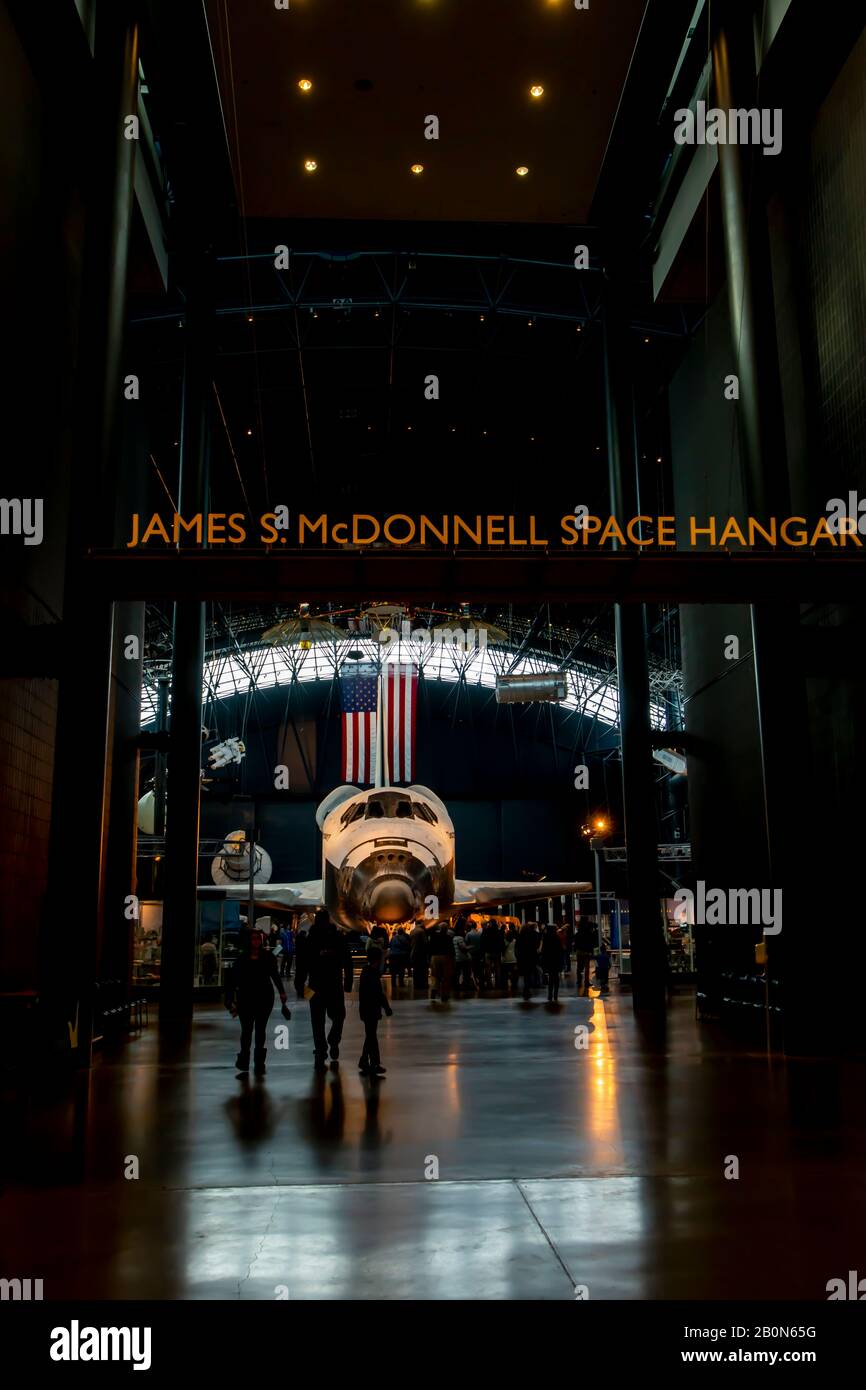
x: 372, y: 1000
x: 509, y: 961
x: 586, y: 941
x: 526, y: 953
x: 440, y: 944
x: 287, y: 944
x: 491, y: 945
x: 462, y: 959
x: 250, y: 997
x: 329, y: 966
x: 564, y: 933
x: 551, y: 961
x: 302, y: 939
x: 418, y: 955
x: 398, y: 957
x: 602, y: 969
x: 474, y: 941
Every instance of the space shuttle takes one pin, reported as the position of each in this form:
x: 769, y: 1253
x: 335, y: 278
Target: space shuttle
x: 388, y: 858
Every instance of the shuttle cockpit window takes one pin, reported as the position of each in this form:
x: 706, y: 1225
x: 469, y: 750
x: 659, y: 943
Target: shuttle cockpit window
x: 354, y: 813
x: 422, y: 812
x: 404, y: 808
x: 375, y: 810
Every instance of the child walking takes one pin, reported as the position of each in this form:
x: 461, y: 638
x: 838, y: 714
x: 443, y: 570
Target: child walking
x: 372, y: 1000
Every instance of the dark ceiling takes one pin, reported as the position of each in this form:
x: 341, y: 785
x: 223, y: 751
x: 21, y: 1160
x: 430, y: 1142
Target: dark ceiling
x: 379, y: 68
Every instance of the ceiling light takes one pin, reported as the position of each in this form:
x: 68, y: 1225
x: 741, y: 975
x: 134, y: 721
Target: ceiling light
x: 305, y: 84
x: 249, y: 318
x: 522, y: 170
x: 417, y: 168
x: 310, y: 165
x: 249, y: 432
x: 537, y: 90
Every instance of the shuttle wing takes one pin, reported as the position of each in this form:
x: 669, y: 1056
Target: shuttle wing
x: 470, y: 893
x: 307, y: 894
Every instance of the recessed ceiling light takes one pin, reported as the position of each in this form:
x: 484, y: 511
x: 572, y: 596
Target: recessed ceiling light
x: 310, y: 165
x: 417, y: 168
x: 249, y: 432
x: 522, y: 170
x: 305, y: 84
x: 481, y: 318
x: 537, y: 90
x: 249, y: 318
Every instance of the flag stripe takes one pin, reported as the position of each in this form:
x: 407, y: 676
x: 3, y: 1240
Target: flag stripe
x: 400, y: 689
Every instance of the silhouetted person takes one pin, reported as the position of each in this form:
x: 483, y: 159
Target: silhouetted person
x: 329, y: 973
x: 586, y: 939
x: 491, y: 946
x: 462, y: 958
x: 526, y: 951
x: 398, y: 957
x: 209, y: 961
x: 440, y: 944
x: 551, y: 960
x: 418, y: 955
x: 250, y: 996
x: 287, y: 942
x: 371, y: 1002
x: 602, y: 969
x: 302, y: 938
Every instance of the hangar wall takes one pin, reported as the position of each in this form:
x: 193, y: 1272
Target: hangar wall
x: 819, y: 273
x: 41, y: 228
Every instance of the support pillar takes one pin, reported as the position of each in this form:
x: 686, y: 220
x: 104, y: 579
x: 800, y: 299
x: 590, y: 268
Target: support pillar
x: 183, y: 782
x: 639, y: 807
x: 123, y: 758
x: 781, y: 698
x: 81, y: 794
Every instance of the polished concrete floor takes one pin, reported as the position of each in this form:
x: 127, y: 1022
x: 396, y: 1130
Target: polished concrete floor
x: 558, y: 1166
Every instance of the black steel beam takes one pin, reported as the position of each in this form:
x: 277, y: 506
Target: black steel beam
x: 245, y: 576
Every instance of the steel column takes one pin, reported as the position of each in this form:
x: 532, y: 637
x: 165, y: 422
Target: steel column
x: 183, y: 784
x: 639, y: 808
x: 781, y: 698
x: 77, y: 846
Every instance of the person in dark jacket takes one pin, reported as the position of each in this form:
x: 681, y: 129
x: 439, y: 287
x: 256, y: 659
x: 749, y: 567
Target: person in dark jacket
x: 440, y: 945
x: 526, y: 952
x: 418, y: 955
x: 398, y: 957
x: 302, y: 937
x: 250, y: 997
x: 329, y: 974
x: 371, y: 1001
x: 287, y: 943
x: 551, y: 961
x: 586, y: 941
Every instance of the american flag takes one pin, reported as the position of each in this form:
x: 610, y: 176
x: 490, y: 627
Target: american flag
x: 399, y: 698
x: 360, y: 690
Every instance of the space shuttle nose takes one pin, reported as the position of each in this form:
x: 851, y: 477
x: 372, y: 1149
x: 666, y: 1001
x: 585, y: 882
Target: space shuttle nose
x: 392, y: 901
